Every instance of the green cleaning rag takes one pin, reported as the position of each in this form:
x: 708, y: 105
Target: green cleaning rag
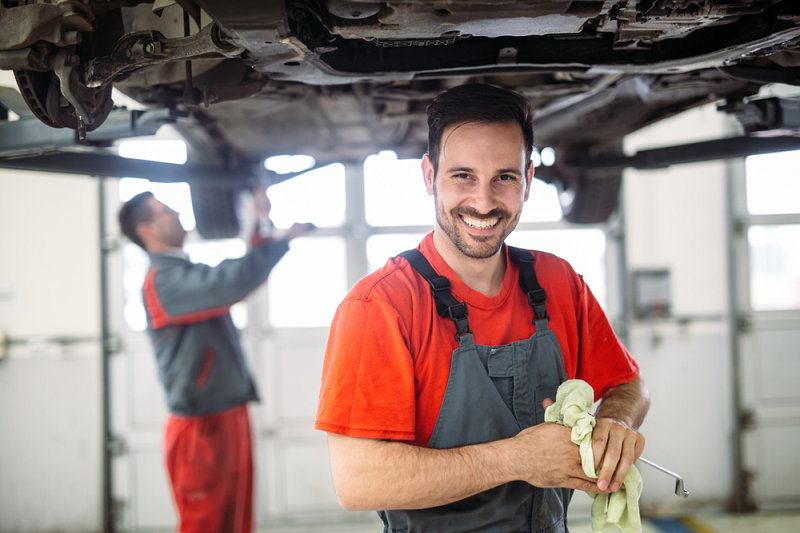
x: 574, y: 400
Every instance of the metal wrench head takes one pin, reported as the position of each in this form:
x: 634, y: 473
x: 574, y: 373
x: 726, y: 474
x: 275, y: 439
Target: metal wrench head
x: 679, y: 490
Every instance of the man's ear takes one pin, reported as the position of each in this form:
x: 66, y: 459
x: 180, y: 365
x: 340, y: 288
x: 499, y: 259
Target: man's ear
x: 529, y: 175
x: 428, y: 174
x: 146, y: 233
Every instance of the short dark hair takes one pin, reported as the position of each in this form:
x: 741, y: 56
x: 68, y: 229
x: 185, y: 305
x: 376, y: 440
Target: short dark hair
x: 134, y: 212
x: 479, y: 103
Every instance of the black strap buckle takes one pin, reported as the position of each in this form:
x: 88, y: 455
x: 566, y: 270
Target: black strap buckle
x: 440, y: 283
x: 446, y: 304
x: 457, y: 312
x: 536, y: 297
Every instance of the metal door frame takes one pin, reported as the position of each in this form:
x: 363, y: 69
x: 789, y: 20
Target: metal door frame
x: 742, y: 318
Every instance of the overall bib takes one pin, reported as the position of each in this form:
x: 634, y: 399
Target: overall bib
x: 493, y: 393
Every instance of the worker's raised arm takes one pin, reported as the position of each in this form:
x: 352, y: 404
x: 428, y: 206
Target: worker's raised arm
x: 181, y: 289
x: 616, y: 440
x: 372, y: 475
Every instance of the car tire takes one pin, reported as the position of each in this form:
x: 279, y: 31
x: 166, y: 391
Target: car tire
x: 216, y: 211
x: 588, y: 193
x: 590, y: 197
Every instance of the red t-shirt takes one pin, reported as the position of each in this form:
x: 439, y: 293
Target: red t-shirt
x: 388, y: 356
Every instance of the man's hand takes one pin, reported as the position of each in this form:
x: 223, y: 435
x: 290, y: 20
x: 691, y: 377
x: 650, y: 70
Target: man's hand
x: 617, y: 446
x: 298, y: 230
x: 616, y: 443
x: 549, y: 458
x: 262, y: 205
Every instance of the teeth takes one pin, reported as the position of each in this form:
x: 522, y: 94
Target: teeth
x: 480, y: 224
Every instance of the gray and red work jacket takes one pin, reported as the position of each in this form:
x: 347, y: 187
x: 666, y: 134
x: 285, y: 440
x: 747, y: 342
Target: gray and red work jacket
x: 200, y: 360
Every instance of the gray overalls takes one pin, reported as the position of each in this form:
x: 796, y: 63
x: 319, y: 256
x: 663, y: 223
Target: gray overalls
x: 493, y: 393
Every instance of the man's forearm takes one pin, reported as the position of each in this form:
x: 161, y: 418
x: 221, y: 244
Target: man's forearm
x: 374, y: 474
x: 627, y: 403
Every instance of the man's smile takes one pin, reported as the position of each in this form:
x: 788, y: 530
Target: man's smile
x: 480, y: 223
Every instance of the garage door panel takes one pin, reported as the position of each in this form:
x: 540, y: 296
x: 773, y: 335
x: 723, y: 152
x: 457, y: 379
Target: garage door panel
x: 777, y: 461
x: 777, y: 373
x: 152, y: 497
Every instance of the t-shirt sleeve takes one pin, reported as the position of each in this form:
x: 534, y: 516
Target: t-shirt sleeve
x: 603, y: 361
x: 368, y: 374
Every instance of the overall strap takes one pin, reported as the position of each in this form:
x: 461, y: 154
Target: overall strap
x: 446, y: 304
x: 529, y: 283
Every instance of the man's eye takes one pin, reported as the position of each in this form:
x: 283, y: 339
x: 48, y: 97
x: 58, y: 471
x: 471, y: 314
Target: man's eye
x: 507, y: 177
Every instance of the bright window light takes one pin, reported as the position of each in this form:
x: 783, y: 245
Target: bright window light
x: 395, y: 192
x: 542, y: 204
x: 536, y: 157
x: 772, y: 184
x: 774, y: 267
x: 136, y: 263
x: 548, y: 157
x: 160, y: 150
x: 308, y: 284
x: 176, y: 195
x: 288, y: 164
x: 317, y: 196
x: 215, y: 252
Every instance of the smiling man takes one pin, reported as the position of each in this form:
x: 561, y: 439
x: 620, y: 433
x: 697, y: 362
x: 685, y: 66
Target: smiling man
x: 439, y: 365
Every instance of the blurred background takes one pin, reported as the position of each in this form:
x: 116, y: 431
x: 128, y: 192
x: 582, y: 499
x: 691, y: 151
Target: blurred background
x: 698, y: 269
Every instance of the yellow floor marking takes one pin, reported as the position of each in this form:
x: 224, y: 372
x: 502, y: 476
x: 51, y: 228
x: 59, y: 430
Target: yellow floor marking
x: 696, y: 525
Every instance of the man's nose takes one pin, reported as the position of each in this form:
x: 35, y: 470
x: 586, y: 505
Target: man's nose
x: 483, y: 199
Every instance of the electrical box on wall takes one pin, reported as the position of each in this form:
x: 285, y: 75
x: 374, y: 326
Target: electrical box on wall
x: 651, y: 294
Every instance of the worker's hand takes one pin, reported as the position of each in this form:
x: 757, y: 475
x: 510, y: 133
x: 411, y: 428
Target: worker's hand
x: 616, y: 446
x: 262, y: 205
x: 548, y: 458
x: 299, y: 229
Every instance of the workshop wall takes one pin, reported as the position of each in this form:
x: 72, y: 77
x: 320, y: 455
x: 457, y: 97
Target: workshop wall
x: 50, y: 392
x: 676, y: 220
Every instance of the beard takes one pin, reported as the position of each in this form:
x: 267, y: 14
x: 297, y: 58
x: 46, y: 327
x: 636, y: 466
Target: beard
x: 475, y: 246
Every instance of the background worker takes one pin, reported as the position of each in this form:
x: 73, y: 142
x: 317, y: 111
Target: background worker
x: 435, y: 415
x: 208, y: 447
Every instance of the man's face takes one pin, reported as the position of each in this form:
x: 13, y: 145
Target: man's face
x: 165, y: 225
x: 480, y: 186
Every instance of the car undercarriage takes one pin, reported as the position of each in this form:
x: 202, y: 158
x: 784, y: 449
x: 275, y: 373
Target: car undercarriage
x: 342, y: 79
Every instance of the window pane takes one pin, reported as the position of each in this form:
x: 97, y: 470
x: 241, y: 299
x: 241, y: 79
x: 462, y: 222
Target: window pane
x: 585, y: 249
x: 307, y: 285
x: 774, y: 267
x: 135, y: 264
x: 394, y: 192
x: 772, y: 184
x: 317, y: 197
x: 381, y: 247
x: 542, y: 204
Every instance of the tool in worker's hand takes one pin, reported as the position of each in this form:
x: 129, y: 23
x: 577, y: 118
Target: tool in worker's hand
x: 679, y: 490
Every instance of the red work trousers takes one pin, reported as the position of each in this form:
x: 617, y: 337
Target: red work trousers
x: 210, y: 463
